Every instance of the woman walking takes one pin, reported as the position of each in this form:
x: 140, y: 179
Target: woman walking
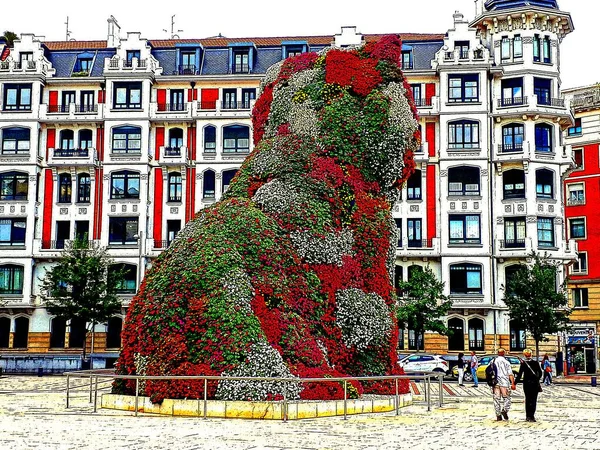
x: 461, y: 368
x: 531, y: 372
x: 547, y: 368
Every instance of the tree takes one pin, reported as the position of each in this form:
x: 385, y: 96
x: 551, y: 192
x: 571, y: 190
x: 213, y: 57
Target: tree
x: 10, y: 37
x: 422, y: 303
x: 535, y: 300
x: 83, y: 286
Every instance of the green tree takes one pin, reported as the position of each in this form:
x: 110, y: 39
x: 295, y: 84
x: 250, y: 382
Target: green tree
x: 422, y: 304
x: 536, y: 300
x: 10, y: 38
x: 82, y: 285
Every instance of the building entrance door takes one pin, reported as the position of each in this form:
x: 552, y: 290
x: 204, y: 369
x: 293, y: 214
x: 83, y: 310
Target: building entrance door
x: 590, y: 363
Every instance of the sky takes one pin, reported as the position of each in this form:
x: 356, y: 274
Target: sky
x: 247, y: 18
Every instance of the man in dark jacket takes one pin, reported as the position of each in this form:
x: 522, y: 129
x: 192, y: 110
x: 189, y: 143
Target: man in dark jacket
x: 531, y: 372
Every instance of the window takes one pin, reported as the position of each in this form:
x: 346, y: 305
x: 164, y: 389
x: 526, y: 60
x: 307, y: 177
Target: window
x: 67, y: 140
x: 580, y: 298
x: 463, y: 88
x: 547, y: 52
x: 113, y: 332
x: 580, y: 264
x: 462, y: 47
x: 86, y: 99
x: 236, y: 139
x: 399, y: 231
x: 465, y: 229
x: 414, y: 186
x: 229, y: 98
x: 512, y: 137
x: 415, y: 341
x: 58, y: 330
x: 578, y: 158
x: 4, y: 332
x: 413, y: 232
x: 82, y: 230
x: 293, y: 50
x: 15, y: 141
x: 456, y: 338
x: 13, y: 186
x: 575, y: 194
x: 11, y: 280
x: 227, y: 177
x: 64, y: 188
x: 127, y: 95
x: 247, y: 96
x: 465, y: 279
x: 83, y: 64
x: 208, y: 188
x: 514, y: 232
x: 188, y: 63
x: 545, y: 231
x: 517, y: 46
x: 577, y: 228
x: 130, y: 55
x: 175, y: 187
x: 77, y: 332
x: 85, y: 140
x: 401, y: 333
x: 413, y: 270
x: 505, y: 45
x: 12, y: 232
x: 17, y: 97
x: 514, y: 183
x: 543, y: 138
x: 25, y: 58
x: 407, y: 59
x: 128, y: 284
x: 127, y: 140
x: 83, y: 188
x: 463, y: 181
x: 210, y: 139
x: 122, y: 230
x: 512, y: 92
x: 175, y: 140
x: 542, y: 89
x: 176, y: 97
x: 125, y: 184
x: 476, y: 335
x: 544, y: 183
x: 173, y: 228
x: 510, y: 272
x: 21, y: 332
x: 68, y: 97
x: 463, y: 134
x: 241, y: 61
x: 416, y: 93
x: 511, y: 49
x: 575, y: 130
x: 518, y: 336
x: 537, y: 47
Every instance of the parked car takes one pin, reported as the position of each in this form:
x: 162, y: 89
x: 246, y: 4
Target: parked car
x: 422, y: 362
x: 484, y: 361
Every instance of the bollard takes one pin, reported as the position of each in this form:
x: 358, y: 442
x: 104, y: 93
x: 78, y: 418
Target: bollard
x: 594, y: 382
x: 40, y: 371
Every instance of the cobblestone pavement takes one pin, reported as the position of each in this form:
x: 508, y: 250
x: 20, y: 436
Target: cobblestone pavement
x: 33, y: 416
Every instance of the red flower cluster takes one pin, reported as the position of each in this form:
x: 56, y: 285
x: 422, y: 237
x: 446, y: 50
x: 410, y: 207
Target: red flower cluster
x: 347, y: 69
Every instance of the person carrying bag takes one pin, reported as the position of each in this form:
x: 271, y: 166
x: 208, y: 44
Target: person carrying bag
x: 547, y: 368
x: 531, y: 372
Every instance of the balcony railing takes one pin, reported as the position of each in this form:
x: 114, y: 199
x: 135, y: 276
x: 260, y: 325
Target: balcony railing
x: 463, y: 54
x: 511, y: 148
x: 61, y: 244
x: 71, y: 153
x: 512, y: 101
x: 172, y: 107
x: 172, y: 151
x: 86, y: 108
x: 160, y: 245
x: 188, y: 70
x: 547, y: 101
x: 423, y: 102
x: 512, y: 243
x: 575, y: 201
x: 207, y: 105
x: 58, y: 109
x: 419, y: 243
x: 235, y: 105
x: 407, y: 65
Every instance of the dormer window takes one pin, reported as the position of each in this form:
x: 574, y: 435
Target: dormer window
x: 241, y: 62
x: 407, y: 59
x: 130, y: 55
x: 241, y: 57
x: 83, y: 65
x: 188, y: 63
x: 293, y: 48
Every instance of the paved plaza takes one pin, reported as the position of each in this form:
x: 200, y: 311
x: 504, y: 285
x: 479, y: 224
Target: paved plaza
x: 33, y: 416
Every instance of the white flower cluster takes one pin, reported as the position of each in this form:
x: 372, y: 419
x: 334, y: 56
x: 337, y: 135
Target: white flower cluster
x: 277, y: 196
x: 391, y: 255
x: 238, y: 289
x: 363, y: 318
x: 303, y: 119
x: 141, y: 365
x: 400, y: 114
x: 270, y: 76
x: 327, y: 249
x: 262, y: 361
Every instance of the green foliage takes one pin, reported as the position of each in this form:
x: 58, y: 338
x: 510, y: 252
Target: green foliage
x: 423, y: 302
x: 535, y: 301
x: 10, y: 38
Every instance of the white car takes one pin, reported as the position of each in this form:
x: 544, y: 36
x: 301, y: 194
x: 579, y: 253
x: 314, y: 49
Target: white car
x: 423, y: 363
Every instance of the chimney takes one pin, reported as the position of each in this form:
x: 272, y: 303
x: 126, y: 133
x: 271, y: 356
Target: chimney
x: 114, y: 36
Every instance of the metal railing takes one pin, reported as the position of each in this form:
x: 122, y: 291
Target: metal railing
x: 207, y: 105
x: 547, y: 101
x: 61, y: 244
x: 172, y: 107
x: 71, y: 153
x: 95, y: 375
x: 189, y: 69
x: 86, y: 108
x: 235, y: 105
x: 58, y: 109
x: 512, y: 101
x: 172, y: 151
x: 423, y: 102
x: 512, y: 243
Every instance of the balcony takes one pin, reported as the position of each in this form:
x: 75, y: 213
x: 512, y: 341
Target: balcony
x: 116, y: 64
x: 40, y: 67
x: 59, y: 156
x: 418, y: 247
x: 552, y: 102
x: 173, y: 155
x: 428, y: 106
x: 171, y: 110
x: 512, y: 243
x: 224, y: 108
x: 514, y: 248
x: 235, y: 105
x: 512, y: 101
x: 188, y: 70
x: 72, y: 111
x: 54, y: 248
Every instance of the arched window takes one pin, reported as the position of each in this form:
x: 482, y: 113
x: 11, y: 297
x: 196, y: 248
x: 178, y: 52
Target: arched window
x: 463, y: 181
x: 113, y: 332
x: 476, y: 335
x: 413, y: 186
x: 208, y: 187
x: 13, y: 186
x: 125, y: 184
x: 15, y: 141
x: 463, y: 134
x: 58, y: 329
x: 514, y: 183
x: 236, y: 139
x: 175, y: 187
x: 456, y: 338
x: 227, y: 177
x: 465, y: 279
x: 210, y: 139
x: 543, y: 137
x: 129, y: 282
x: 77, y: 333
x: 512, y: 137
x: 416, y: 340
x: 175, y: 139
x: 67, y: 140
x: 64, y: 188
x: 11, y: 279
x: 83, y: 188
x: 21, y: 332
x: 127, y: 140
x: 518, y: 336
x: 85, y: 139
x: 4, y: 332
x: 544, y: 183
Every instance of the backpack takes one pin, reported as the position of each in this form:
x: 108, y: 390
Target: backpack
x: 491, y: 374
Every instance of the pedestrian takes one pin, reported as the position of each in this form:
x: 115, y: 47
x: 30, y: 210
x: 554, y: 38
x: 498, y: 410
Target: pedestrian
x: 505, y: 382
x: 547, y: 369
x: 461, y: 368
x: 531, y: 372
x: 474, y: 364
